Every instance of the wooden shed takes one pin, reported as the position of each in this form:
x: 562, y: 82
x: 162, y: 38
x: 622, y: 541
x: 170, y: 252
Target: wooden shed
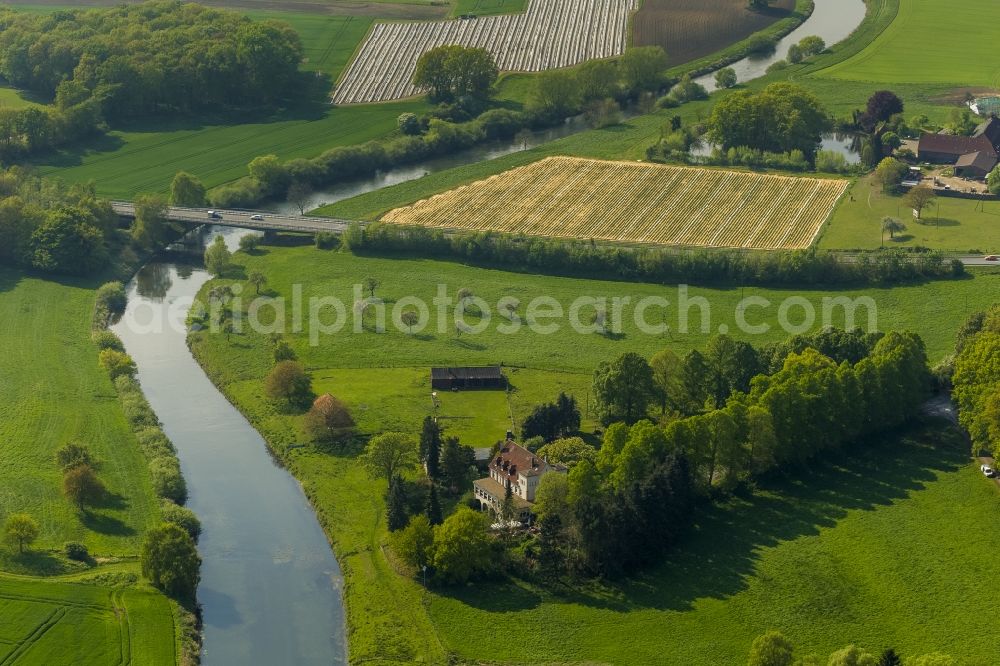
x: 484, y: 377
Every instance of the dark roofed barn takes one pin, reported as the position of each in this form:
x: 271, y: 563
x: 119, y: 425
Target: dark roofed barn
x: 947, y: 148
x: 486, y: 377
x: 975, y: 165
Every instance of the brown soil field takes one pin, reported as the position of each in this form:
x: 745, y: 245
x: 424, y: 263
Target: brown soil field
x: 690, y: 29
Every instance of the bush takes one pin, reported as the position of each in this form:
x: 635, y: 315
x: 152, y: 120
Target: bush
x: 76, y: 551
x: 107, y: 340
x: 181, y: 516
x: 831, y: 161
x: 117, y: 364
x: 167, y: 480
x: 154, y: 443
x: 288, y: 382
x: 327, y: 241
x: 759, y: 44
x: 250, y: 243
x: 111, y: 298
x: 409, y: 124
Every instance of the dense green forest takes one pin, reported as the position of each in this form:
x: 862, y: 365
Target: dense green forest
x: 136, y: 61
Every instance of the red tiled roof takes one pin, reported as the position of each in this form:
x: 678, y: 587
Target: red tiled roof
x: 950, y: 144
x: 513, y: 459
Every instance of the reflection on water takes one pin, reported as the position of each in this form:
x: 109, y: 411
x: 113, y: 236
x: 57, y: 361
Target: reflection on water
x: 152, y: 282
x: 270, y: 586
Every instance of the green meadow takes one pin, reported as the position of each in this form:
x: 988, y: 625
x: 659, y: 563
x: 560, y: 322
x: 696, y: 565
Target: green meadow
x: 959, y: 225
x: 53, y: 392
x: 481, y: 7
x: 931, y: 42
x: 817, y: 556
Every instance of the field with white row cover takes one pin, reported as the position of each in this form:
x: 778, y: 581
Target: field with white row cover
x: 635, y: 202
x: 549, y: 35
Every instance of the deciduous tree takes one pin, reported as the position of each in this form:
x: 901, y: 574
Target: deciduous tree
x: 21, y: 530
x: 170, y: 561
x: 389, y: 454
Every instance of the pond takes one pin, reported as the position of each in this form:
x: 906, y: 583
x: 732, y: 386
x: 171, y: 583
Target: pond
x: 270, y: 586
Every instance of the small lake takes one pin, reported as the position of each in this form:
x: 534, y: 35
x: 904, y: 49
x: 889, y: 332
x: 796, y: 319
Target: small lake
x: 833, y: 20
x: 848, y: 145
x: 270, y: 586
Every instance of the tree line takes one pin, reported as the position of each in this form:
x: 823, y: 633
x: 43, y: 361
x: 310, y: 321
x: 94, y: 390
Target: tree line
x: 774, y: 649
x: 654, y: 264
x: 976, y: 380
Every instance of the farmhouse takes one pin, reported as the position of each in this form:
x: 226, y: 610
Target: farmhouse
x: 973, y: 156
x: 454, y: 379
x: 518, y: 468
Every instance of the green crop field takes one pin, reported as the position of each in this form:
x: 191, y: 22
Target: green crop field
x: 329, y: 41
x: 931, y: 42
x: 145, y: 160
x: 47, y: 623
x: 848, y: 516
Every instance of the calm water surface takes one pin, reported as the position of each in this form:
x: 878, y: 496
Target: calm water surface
x: 270, y: 586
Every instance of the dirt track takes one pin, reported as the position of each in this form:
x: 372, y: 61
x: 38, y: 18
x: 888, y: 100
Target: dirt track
x: 334, y: 7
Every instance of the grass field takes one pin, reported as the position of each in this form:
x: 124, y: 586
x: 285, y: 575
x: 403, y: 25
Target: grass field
x: 484, y: 7
x: 50, y: 623
x: 129, y: 162
x: 860, y: 550
x: 931, y: 42
x: 52, y: 392
x: 830, y: 545
x: 638, y: 203
x: 329, y: 41
x: 960, y: 225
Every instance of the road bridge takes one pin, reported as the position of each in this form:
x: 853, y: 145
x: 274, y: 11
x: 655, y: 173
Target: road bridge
x: 243, y: 219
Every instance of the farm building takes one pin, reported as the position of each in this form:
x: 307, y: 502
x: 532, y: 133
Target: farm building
x: 451, y: 379
x: 973, y: 156
x: 517, y: 468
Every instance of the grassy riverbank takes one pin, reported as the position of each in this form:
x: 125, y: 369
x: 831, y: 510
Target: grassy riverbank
x: 53, y: 392
x: 840, y: 525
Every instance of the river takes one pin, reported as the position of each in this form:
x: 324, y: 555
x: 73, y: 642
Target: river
x: 833, y: 20
x: 270, y: 586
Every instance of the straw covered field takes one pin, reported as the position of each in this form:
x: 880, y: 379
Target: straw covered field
x: 549, y: 35
x: 634, y: 202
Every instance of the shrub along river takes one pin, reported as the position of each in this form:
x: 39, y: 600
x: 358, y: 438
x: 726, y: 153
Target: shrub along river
x: 270, y: 586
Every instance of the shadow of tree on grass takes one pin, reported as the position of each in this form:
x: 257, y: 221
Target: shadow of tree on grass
x: 719, y: 555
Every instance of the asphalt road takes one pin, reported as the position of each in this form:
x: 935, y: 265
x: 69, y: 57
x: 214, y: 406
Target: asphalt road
x: 242, y: 219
